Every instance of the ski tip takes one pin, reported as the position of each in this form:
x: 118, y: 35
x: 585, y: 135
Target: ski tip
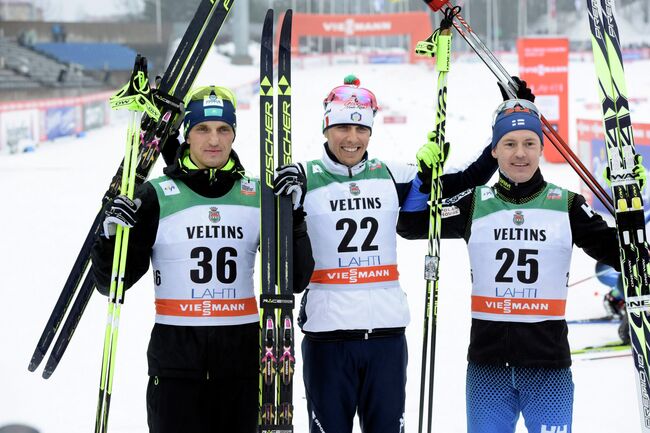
x: 37, y: 357
x: 49, y: 368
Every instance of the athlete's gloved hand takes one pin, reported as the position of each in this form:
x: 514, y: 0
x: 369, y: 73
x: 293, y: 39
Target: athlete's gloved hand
x: 429, y: 156
x: 290, y: 180
x: 614, y: 306
x: 639, y: 172
x: 120, y: 211
x: 523, y: 91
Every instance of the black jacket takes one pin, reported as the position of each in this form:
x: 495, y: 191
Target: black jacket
x: 541, y: 344
x: 185, y: 351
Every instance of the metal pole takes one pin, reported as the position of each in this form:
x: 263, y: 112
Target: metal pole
x: 320, y: 38
x: 497, y: 31
x: 241, y: 33
x: 332, y: 38
x: 552, y: 18
x: 488, y: 22
x: 158, y: 23
x: 346, y: 11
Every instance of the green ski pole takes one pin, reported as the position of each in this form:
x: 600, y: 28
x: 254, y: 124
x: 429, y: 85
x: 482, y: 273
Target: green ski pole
x: 136, y: 97
x: 438, y: 45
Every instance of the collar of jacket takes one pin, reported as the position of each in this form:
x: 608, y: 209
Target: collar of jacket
x: 333, y: 165
x: 520, y: 192
x: 206, y: 182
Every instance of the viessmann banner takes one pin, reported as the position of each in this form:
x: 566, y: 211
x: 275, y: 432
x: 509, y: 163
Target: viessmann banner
x: 415, y: 24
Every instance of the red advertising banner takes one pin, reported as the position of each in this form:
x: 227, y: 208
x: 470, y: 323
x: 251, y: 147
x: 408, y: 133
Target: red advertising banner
x: 544, y: 65
x: 415, y: 24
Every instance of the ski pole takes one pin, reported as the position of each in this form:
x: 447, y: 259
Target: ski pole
x: 499, y: 71
x: 437, y: 45
x: 582, y: 280
x: 135, y: 96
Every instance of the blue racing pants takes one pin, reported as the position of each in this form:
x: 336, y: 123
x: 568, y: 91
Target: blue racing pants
x: 496, y: 395
x: 362, y: 376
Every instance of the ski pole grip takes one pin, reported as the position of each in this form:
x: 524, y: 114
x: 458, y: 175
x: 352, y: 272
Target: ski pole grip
x: 443, y: 54
x: 435, y: 5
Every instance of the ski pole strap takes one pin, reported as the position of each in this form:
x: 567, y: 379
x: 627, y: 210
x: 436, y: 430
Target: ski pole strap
x: 439, y: 43
x: 136, y: 94
x: 275, y: 301
x: 448, y: 21
x: 427, y: 47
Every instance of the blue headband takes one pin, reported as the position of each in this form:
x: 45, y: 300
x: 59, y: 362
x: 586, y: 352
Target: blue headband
x: 508, y: 121
x: 209, y: 108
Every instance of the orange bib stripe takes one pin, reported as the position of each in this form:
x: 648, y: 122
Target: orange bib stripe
x: 206, y: 307
x: 517, y: 306
x: 366, y: 274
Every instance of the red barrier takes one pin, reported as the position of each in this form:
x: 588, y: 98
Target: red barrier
x: 544, y: 65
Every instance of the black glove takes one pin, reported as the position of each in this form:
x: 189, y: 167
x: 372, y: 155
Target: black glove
x: 170, y: 146
x: 290, y: 180
x: 523, y: 91
x: 120, y: 211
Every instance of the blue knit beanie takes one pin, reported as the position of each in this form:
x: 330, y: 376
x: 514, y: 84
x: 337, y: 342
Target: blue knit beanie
x: 516, y: 119
x: 211, y: 107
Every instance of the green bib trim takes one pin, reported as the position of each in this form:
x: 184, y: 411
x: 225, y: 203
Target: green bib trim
x: 551, y: 198
x: 318, y: 176
x: 174, y: 196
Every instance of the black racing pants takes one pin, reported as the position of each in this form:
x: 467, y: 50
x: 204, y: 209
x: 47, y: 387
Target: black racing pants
x: 226, y: 400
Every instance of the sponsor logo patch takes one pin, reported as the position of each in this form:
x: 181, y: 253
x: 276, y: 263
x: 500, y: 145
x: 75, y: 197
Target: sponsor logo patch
x: 449, y: 211
x: 456, y: 198
x: 518, y: 218
x: 486, y: 194
x: 169, y: 187
x: 354, y: 189
x: 554, y: 194
x: 248, y: 188
x: 212, y: 101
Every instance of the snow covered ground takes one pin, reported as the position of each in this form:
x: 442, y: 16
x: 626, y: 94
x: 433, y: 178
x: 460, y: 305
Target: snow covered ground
x: 49, y: 198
